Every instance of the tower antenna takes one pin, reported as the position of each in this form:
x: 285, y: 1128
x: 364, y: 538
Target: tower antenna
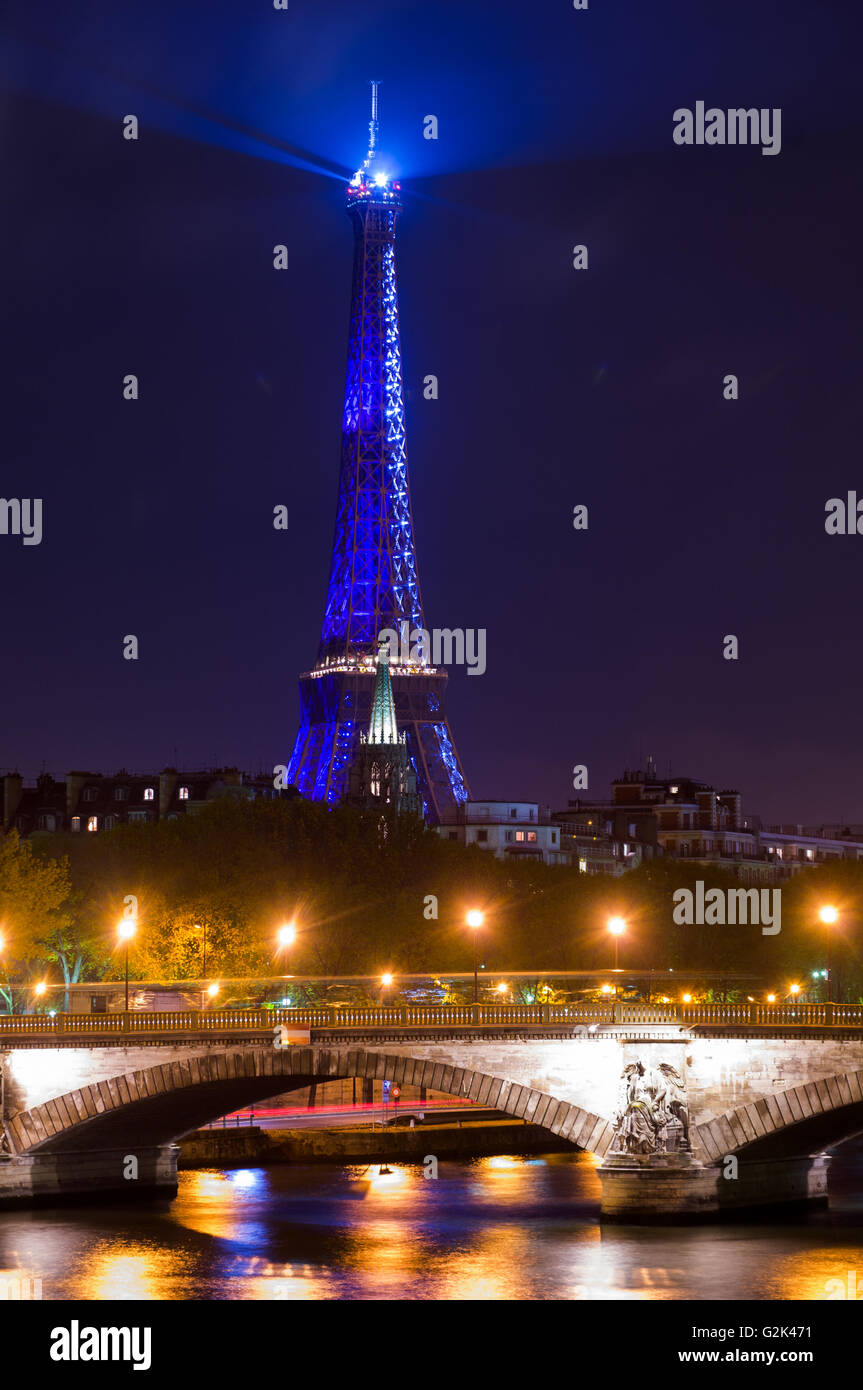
x: 373, y: 123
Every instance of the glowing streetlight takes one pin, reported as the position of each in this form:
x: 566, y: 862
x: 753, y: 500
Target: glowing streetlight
x: 617, y: 927
x: 771, y: 998
x: 126, y: 930
x: 386, y: 981
x: 795, y: 989
x: 40, y: 987
x: 213, y: 990
x: 286, y: 935
x: 475, y: 920
x: 829, y: 916
x: 687, y: 998
x: 606, y: 989
x: 502, y: 989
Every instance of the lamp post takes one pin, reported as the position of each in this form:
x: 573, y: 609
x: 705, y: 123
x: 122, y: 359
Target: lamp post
x: 125, y: 931
x: 386, y: 981
x: 475, y: 920
x: 617, y: 927
x: 829, y: 916
x: 285, y: 937
x: 199, y: 927
x: 11, y: 1000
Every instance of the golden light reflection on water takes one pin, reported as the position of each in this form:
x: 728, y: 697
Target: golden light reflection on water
x: 823, y: 1273
x: 122, y: 1273
x: 499, y: 1228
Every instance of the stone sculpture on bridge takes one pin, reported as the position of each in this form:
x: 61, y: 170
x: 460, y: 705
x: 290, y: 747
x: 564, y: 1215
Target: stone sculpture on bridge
x: 654, y: 1099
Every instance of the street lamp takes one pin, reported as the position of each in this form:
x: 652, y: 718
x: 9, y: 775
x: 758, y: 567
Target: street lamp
x: 386, y: 981
x: 125, y: 931
x: 203, y: 929
x: 771, y: 998
x: 212, y: 990
x: 286, y: 935
x: 475, y: 920
x: 617, y: 927
x: 829, y: 916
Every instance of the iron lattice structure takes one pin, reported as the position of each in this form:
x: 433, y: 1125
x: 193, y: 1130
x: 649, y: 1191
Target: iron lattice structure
x: 374, y: 584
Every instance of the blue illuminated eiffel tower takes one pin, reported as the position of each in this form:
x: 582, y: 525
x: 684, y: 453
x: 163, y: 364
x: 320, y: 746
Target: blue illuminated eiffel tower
x: 373, y: 576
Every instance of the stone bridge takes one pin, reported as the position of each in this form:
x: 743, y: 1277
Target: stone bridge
x: 757, y: 1111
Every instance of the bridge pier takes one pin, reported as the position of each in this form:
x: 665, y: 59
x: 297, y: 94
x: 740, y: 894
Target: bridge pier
x: 665, y: 1188
x: 133, y: 1171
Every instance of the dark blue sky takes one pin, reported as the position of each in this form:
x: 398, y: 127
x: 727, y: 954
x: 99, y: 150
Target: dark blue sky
x: 557, y: 387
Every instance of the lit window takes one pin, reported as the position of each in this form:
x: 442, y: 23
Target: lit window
x: 92, y: 822
x: 519, y: 835
x: 531, y: 834
x: 76, y: 822
x: 148, y: 793
x: 582, y: 866
x: 184, y: 793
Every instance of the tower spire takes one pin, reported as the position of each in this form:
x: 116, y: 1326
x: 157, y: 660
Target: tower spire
x: 382, y: 726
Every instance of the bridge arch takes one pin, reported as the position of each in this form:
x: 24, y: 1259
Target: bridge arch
x: 155, y: 1105
x: 797, y: 1121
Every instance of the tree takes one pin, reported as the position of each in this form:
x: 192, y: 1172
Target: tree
x: 33, y: 891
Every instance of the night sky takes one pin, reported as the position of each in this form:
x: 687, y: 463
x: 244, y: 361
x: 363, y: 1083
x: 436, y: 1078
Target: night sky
x: 557, y: 387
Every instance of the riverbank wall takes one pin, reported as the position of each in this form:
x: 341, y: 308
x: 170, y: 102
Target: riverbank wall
x: 253, y: 1145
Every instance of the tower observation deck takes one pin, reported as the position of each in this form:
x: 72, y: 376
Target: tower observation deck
x: 374, y: 584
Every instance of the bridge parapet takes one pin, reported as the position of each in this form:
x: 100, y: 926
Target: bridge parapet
x: 562, y: 1019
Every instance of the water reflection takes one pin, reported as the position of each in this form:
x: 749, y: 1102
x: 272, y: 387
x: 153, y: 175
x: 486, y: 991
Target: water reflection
x: 492, y: 1229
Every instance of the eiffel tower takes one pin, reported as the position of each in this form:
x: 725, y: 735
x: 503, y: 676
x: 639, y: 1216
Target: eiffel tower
x: 374, y: 585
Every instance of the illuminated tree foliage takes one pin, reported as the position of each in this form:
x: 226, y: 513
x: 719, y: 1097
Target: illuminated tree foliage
x: 359, y: 896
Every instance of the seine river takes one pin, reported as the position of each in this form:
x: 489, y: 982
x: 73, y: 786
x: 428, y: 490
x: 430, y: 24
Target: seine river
x: 492, y: 1228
